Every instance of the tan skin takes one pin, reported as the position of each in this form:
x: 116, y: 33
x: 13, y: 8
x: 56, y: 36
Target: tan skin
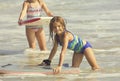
x: 77, y: 58
x: 30, y: 33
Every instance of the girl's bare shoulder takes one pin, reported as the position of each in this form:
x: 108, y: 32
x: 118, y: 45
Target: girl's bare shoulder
x: 26, y: 2
x: 69, y: 35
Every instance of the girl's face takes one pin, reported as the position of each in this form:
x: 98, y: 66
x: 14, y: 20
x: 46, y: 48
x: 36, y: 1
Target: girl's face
x: 58, y: 28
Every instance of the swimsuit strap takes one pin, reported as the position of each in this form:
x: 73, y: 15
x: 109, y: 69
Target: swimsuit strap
x: 57, y: 37
x: 70, y: 32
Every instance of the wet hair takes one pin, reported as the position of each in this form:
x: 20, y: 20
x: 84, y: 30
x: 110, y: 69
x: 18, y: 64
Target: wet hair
x: 54, y: 20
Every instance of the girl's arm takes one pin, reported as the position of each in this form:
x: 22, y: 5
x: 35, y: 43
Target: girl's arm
x: 63, y: 50
x: 62, y: 55
x: 45, y: 8
x: 53, y: 51
x: 24, y: 10
x: 52, y: 54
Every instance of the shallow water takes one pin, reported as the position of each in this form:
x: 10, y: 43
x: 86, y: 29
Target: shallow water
x: 22, y: 62
x: 95, y: 21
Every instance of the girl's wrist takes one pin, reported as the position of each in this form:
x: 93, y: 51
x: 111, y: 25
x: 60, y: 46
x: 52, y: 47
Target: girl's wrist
x: 47, y: 61
x: 20, y: 21
x: 59, y: 65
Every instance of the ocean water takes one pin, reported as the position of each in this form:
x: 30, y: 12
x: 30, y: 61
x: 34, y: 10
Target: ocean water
x: 97, y: 21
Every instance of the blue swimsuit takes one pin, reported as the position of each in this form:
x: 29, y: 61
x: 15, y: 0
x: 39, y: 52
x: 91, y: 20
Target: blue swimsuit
x: 76, y: 44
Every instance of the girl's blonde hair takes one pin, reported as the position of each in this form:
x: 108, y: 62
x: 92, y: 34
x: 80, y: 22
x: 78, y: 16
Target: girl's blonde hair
x: 54, y: 20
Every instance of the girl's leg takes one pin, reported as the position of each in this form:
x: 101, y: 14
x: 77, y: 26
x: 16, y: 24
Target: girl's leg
x: 31, y: 37
x: 40, y: 35
x: 91, y: 58
x: 77, y: 59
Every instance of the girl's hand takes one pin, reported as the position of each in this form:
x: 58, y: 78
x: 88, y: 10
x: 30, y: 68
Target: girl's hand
x: 45, y: 62
x: 20, y: 22
x: 57, y: 70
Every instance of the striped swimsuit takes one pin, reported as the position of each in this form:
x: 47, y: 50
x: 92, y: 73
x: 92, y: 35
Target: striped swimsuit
x: 76, y: 44
x: 33, y: 13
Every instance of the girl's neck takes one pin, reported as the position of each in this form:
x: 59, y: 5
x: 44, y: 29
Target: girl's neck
x: 62, y: 34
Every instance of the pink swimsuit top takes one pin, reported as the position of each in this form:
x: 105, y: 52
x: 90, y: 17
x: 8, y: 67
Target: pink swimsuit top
x: 33, y: 13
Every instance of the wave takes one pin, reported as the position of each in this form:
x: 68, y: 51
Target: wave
x: 107, y: 50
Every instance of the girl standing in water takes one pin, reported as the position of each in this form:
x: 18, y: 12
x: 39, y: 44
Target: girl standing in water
x: 33, y: 9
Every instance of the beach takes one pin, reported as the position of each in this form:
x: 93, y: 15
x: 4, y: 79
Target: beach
x: 95, y: 21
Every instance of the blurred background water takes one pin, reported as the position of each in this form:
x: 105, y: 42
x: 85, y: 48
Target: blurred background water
x: 97, y: 21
